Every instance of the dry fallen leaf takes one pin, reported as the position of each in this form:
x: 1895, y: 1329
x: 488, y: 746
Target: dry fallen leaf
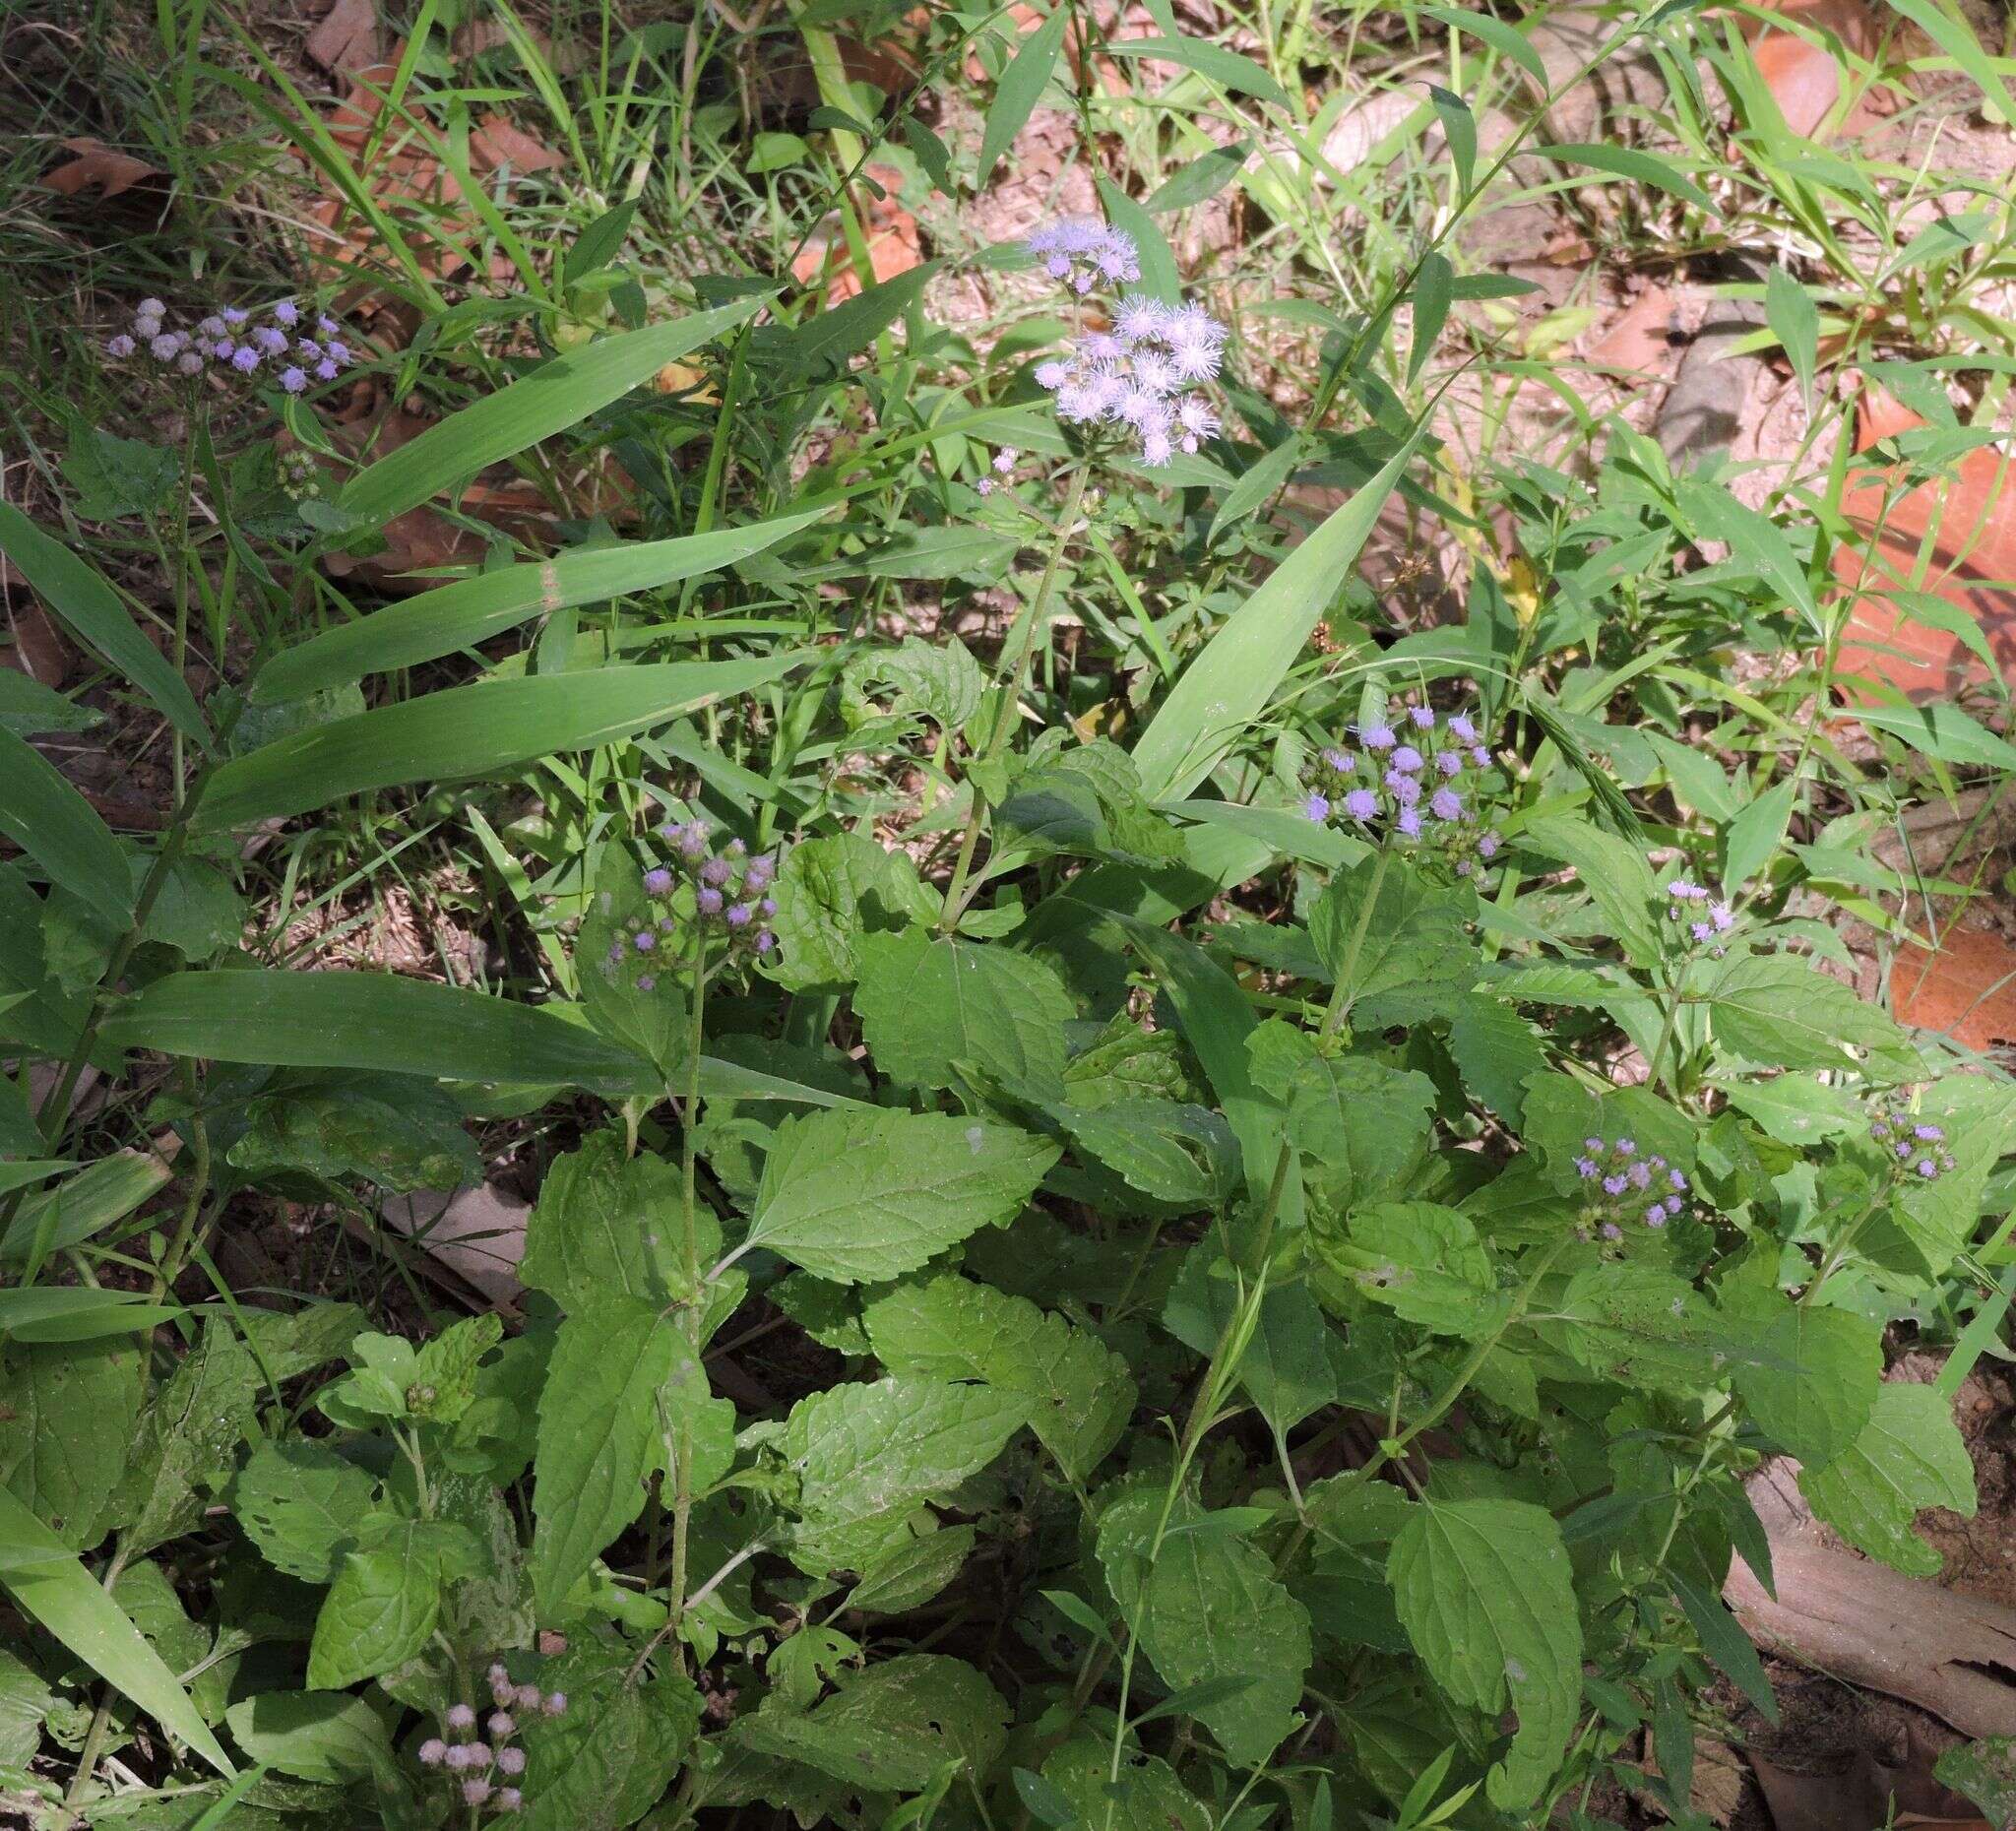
x: 893, y: 242
x: 347, y: 40
x: 1641, y: 337
x: 476, y: 1234
x: 1806, y: 78
x: 98, y: 165
x: 1965, y: 989
x: 1971, y: 560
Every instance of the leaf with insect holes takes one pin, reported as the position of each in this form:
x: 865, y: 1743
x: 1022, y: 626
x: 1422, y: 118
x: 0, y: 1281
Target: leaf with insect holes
x: 1208, y: 1607
x: 865, y: 1456
x: 301, y: 1504
x: 1079, y: 1392
x: 188, y: 1441
x: 387, y: 1130
x: 1909, y: 1455
x: 1149, y: 1796
x: 1485, y: 1591
x: 889, y: 1729
x: 67, y: 1414
x: 599, y: 1435
x: 931, y: 1007
x: 830, y: 893
x: 856, y: 1195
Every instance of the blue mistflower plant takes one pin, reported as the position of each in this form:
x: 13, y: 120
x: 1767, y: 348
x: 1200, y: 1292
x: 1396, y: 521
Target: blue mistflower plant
x: 1135, y: 368
x: 1423, y: 779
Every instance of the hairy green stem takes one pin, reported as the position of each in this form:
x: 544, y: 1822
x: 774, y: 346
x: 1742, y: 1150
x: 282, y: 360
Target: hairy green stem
x: 1010, y: 688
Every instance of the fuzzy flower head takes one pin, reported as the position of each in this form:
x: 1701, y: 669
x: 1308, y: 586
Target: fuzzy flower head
x: 239, y: 343
x: 697, y: 898
x: 1134, y: 377
x: 1423, y: 786
x: 1697, y: 913
x: 1622, y: 1188
x: 1082, y: 254
x: 1914, y: 1148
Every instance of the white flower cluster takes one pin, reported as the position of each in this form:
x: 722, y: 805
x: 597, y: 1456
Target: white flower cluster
x: 1140, y: 373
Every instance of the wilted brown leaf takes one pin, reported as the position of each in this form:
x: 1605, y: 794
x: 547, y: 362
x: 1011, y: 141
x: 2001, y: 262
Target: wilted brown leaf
x: 98, y: 165
x: 1968, y: 532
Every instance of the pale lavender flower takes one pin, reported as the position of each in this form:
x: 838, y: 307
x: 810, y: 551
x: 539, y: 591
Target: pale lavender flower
x: 511, y: 1760
x: 292, y: 380
x: 120, y: 347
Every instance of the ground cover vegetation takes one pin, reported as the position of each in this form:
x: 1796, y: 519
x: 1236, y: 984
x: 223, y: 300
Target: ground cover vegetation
x: 1157, y: 960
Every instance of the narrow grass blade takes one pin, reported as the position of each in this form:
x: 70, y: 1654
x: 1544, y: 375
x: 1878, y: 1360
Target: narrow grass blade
x: 1020, y: 89
x: 363, y: 1020
x: 59, y: 830
x: 90, y: 610
x: 63, y: 1597
x: 471, y: 610
x: 468, y: 732
x: 1230, y: 683
x: 561, y: 393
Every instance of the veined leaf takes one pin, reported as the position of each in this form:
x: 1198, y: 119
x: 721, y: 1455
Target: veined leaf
x: 90, y: 610
x: 1485, y: 1594
x: 1222, y: 66
x: 468, y: 732
x: 560, y: 394
x: 1020, y: 89
x: 858, y: 1194
x: 60, y: 831
x: 73, y: 1605
x: 362, y: 1020
x: 1079, y: 1392
x: 471, y: 610
x: 600, y: 1436
x: 1228, y: 684
x: 1634, y: 163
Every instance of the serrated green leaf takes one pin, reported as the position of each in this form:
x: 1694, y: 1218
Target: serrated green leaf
x: 599, y: 1435
x: 1909, y: 1455
x: 866, y: 1455
x: 188, y: 1442
x: 383, y: 1130
x: 1420, y: 1260
x: 1810, y: 1379
x: 1180, y: 1154
x: 1485, y: 1591
x: 832, y: 891
x: 1496, y: 1051
x: 67, y: 1415
x: 1407, y: 957
x: 928, y: 1006
x: 914, y: 1572
x: 1210, y: 1607
x: 381, y: 1610
x: 1151, y: 1797
x: 890, y: 1728
x: 1078, y: 1392
x: 301, y: 1503
x: 608, y: 1758
x: 1773, y: 1009
x: 332, y: 1736
x: 607, y: 1223
x: 858, y: 1196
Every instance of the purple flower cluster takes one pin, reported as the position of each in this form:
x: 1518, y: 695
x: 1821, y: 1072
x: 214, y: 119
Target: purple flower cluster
x: 1138, y: 375
x: 482, y: 1759
x: 1620, y: 1186
x: 1418, y: 781
x: 1915, y: 1147
x: 228, y: 341
x: 1706, y: 920
x: 725, y: 894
